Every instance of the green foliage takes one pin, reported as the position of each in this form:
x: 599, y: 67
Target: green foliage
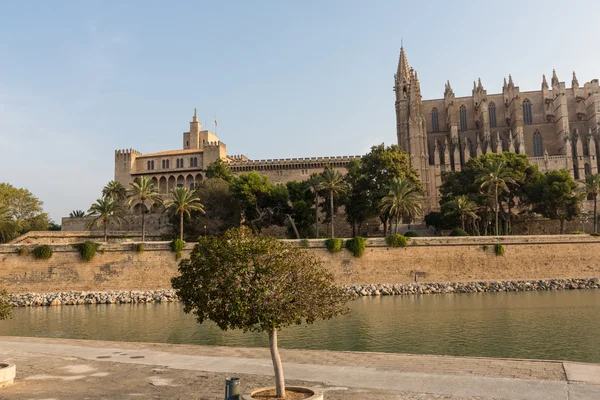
x: 181, y: 202
x: 403, y: 198
x: 114, y: 190
x: 304, y: 243
x: 53, y: 227
x: 42, y: 252
x: 138, y: 247
x: 578, y: 233
x: 458, y: 232
x: 440, y: 220
x: 499, y: 249
x: 219, y: 170
x: 20, y: 212
x: 23, y: 251
x: 333, y: 184
x: 334, y: 245
x: 555, y: 196
x: 253, y: 191
x: 103, y: 212
x: 87, y: 250
x: 177, y: 246
x: 357, y: 245
x: 254, y: 283
x: 77, y: 214
x: 594, y: 234
x: 411, y: 234
x: 397, y: 240
x: 144, y: 193
x: 485, y: 247
x: 5, y: 307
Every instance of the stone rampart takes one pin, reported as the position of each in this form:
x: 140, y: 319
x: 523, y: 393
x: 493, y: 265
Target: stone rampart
x: 432, y: 259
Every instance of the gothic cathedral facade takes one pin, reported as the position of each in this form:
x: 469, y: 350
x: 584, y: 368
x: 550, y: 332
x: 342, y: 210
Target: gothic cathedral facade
x: 556, y: 127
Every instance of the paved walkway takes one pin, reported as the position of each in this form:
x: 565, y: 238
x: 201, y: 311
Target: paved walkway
x: 79, y: 369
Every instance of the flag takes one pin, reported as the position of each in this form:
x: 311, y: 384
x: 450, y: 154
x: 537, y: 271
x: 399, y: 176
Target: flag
x: 216, y: 121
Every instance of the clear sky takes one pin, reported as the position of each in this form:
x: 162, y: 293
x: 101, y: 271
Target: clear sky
x: 284, y: 78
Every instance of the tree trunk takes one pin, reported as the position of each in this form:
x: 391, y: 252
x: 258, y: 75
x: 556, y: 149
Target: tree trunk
x: 181, y: 225
x: 293, y: 225
x: 397, y: 221
x: 353, y: 229
x: 462, y: 221
x: 496, y: 209
x: 279, y: 380
x: 143, y: 223
x: 595, y: 213
x: 316, y: 215
x: 331, y: 206
x: 562, y: 226
x: 105, y: 232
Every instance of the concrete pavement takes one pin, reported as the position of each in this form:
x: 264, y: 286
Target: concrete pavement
x: 64, y: 369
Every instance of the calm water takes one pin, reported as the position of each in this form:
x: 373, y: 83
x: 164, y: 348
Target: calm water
x: 544, y: 325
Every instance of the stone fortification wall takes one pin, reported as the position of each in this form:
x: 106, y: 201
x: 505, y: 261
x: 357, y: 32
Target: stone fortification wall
x: 435, y: 259
x: 157, y: 223
x: 49, y: 237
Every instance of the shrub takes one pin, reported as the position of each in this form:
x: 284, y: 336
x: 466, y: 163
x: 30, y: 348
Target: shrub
x: 303, y: 242
x: 5, y: 306
x: 595, y: 234
x: 578, y: 233
x: 411, y: 234
x: 42, y: 252
x: 138, y: 247
x: 485, y: 247
x: 357, y: 245
x: 334, y: 245
x: 499, y: 249
x: 87, y: 250
x: 458, y: 232
x: 396, y: 240
x: 23, y: 251
x: 177, y: 247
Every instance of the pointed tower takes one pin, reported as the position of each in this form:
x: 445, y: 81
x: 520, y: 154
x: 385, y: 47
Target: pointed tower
x: 575, y: 82
x: 410, y: 121
x: 192, y: 139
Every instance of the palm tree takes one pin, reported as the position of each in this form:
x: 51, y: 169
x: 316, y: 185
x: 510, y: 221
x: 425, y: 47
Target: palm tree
x: 8, y: 227
x: 465, y: 208
x: 103, y: 212
x: 592, y: 187
x: 115, y: 190
x: 403, y: 198
x: 182, y: 201
x: 77, y: 214
x: 333, y: 182
x: 495, y: 178
x: 142, y: 192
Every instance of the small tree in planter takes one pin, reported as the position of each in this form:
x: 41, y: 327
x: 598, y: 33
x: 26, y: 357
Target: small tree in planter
x: 5, y: 307
x: 259, y: 284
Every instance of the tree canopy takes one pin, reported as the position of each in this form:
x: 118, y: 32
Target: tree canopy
x: 219, y: 170
x: 22, y: 212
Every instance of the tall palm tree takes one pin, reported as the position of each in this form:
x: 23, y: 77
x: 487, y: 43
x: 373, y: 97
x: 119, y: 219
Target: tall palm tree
x: 495, y: 178
x: 77, y: 214
x: 182, y: 201
x: 403, y: 198
x: 333, y: 182
x: 592, y: 187
x: 312, y: 186
x: 465, y: 208
x: 143, y: 192
x: 103, y: 212
x: 8, y: 227
x: 114, y: 190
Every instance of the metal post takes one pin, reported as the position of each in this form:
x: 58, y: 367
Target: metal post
x: 232, y: 389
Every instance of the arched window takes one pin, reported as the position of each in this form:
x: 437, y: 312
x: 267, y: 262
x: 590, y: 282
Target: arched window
x: 527, y: 117
x: 149, y: 164
x: 538, y: 144
x: 588, y: 169
x: 585, y: 145
x: 492, y: 114
x: 167, y: 163
x: 463, y: 118
x: 435, y: 124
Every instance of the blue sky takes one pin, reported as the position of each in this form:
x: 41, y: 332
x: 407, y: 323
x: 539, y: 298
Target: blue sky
x: 284, y: 78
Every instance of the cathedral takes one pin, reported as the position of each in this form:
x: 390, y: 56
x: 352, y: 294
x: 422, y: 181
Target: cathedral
x: 557, y: 127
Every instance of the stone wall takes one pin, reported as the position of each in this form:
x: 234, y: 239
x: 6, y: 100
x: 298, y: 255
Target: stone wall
x: 50, y: 237
x: 434, y: 259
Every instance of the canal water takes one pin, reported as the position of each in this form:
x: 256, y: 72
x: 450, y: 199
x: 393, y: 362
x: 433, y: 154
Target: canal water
x: 561, y: 325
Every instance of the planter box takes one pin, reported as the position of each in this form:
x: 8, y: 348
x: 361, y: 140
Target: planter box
x: 7, y: 374
x: 316, y: 395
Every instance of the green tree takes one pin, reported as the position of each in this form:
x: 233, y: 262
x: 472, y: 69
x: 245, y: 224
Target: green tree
x: 259, y: 284
x: 334, y: 184
x: 24, y: 209
x: 115, y: 190
x: 403, y: 198
x: 253, y: 191
x: 5, y: 307
x: 219, y: 170
x: 465, y: 208
x: 77, y: 214
x: 103, y: 212
x: 181, y: 202
x: 381, y: 166
x: 495, y: 179
x: 142, y: 192
x: 8, y: 227
x: 357, y: 206
x: 592, y: 187
x: 555, y: 196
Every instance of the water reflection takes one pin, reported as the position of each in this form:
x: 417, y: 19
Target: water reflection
x: 545, y: 325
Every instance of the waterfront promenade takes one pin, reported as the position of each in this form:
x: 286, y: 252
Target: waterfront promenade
x: 79, y: 369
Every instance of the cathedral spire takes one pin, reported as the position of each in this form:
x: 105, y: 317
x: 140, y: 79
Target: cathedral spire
x: 574, y: 82
x: 403, y: 70
x: 479, y: 85
x: 554, y: 78
x: 510, y: 81
x: 544, y: 82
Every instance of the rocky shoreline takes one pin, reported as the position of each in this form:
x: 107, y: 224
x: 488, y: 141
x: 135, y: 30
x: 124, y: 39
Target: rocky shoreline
x: 168, y: 295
